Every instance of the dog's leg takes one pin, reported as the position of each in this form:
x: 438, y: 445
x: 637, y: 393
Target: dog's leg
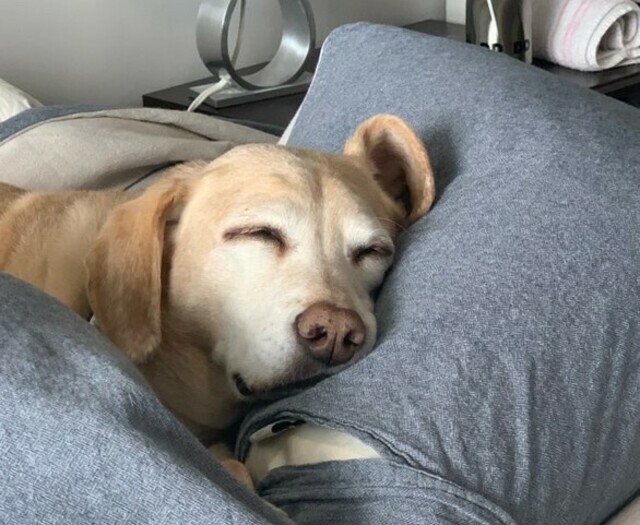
x: 224, y: 455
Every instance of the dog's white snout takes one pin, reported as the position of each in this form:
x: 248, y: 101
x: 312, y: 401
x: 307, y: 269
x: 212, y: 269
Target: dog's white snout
x: 330, y: 334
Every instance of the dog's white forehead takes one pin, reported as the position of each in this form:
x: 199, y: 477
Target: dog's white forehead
x: 301, y: 189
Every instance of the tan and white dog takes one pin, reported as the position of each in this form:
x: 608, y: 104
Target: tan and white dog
x: 227, y: 280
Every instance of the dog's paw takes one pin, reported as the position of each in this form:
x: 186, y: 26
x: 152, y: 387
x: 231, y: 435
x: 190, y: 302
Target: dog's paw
x: 223, y: 454
x: 238, y: 471
x: 225, y: 457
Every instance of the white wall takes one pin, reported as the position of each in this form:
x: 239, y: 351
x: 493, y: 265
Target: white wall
x: 113, y: 51
x: 455, y: 11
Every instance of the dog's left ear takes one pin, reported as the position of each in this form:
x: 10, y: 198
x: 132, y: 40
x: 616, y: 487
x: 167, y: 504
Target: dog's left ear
x: 125, y: 268
x: 400, y: 162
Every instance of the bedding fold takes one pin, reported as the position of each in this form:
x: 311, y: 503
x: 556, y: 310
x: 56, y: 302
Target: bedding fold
x: 63, y: 148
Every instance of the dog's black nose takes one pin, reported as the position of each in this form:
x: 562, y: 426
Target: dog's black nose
x: 330, y: 334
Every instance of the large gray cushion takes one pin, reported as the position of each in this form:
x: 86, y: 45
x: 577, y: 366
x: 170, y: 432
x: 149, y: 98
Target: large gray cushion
x: 506, y: 384
x: 83, y: 440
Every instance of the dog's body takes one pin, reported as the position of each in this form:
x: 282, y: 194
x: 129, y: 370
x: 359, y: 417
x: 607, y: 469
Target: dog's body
x: 45, y: 238
x: 226, y: 280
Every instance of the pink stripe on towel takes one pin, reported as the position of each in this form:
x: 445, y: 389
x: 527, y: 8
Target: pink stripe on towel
x: 556, y: 22
x: 577, y: 18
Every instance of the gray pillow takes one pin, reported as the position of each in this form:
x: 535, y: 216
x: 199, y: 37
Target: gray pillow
x: 505, y: 384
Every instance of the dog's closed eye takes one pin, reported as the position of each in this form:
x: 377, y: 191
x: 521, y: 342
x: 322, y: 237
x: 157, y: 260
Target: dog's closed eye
x: 264, y: 233
x: 377, y: 250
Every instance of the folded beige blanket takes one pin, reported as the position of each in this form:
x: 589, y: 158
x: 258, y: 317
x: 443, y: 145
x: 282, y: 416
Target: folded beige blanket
x: 111, y: 148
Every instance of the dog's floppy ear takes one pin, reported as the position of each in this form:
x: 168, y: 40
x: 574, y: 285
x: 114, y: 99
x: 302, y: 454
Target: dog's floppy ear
x: 400, y: 160
x: 124, y: 268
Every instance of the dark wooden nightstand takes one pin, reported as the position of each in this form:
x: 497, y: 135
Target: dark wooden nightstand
x: 273, y: 115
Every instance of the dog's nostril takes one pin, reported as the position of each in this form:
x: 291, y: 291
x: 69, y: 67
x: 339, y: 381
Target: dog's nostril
x: 316, y: 334
x: 330, y: 334
x: 354, y: 338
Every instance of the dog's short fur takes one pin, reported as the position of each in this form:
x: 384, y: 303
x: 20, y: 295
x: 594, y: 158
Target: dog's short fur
x: 202, y: 279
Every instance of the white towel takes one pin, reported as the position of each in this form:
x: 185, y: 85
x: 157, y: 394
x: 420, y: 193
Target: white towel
x: 588, y: 35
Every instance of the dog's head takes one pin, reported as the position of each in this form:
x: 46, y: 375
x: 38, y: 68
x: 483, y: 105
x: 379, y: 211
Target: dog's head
x: 267, y: 257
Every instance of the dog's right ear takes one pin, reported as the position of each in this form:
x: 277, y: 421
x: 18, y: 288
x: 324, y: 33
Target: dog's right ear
x: 399, y: 161
x: 124, y: 268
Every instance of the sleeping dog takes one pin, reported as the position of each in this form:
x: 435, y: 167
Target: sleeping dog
x: 226, y: 280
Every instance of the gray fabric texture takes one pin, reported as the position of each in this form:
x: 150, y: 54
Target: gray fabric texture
x: 84, y: 440
x: 60, y: 148
x: 508, y: 357
x: 366, y: 492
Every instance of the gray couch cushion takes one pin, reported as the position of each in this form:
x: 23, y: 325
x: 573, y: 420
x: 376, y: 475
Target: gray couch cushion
x: 506, y: 379
x: 83, y: 440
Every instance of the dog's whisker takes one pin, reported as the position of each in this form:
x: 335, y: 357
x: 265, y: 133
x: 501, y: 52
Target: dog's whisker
x: 400, y: 226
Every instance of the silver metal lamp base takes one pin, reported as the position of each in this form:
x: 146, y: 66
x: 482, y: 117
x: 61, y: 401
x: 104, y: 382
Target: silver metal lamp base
x: 233, y: 94
x: 286, y: 72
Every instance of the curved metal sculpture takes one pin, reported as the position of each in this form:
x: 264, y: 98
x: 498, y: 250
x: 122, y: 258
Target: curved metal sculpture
x: 289, y: 61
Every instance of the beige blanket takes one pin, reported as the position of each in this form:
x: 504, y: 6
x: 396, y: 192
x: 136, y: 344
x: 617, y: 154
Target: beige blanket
x: 110, y: 148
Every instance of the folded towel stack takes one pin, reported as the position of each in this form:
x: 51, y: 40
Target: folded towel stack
x: 588, y: 35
